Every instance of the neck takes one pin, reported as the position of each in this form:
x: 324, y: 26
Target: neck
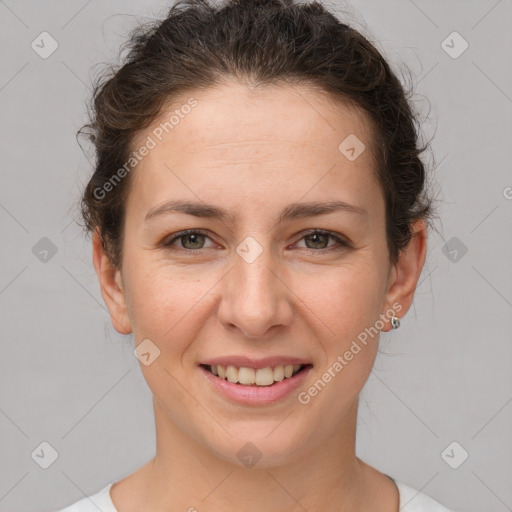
x: 186, y: 474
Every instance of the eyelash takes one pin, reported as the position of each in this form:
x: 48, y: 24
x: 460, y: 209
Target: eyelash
x: 343, y: 244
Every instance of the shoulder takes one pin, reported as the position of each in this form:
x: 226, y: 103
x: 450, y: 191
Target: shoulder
x: 100, y: 500
x: 412, y: 500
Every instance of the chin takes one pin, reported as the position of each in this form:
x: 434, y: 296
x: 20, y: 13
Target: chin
x: 260, y: 446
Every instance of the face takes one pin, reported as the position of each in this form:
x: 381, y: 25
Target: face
x: 269, y: 280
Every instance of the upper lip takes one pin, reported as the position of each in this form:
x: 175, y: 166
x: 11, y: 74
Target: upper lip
x: 247, y: 362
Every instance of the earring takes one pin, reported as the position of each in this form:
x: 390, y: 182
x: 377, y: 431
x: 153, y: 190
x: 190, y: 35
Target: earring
x: 395, y: 322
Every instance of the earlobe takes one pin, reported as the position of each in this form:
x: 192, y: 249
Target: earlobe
x: 111, y: 286
x: 405, y: 274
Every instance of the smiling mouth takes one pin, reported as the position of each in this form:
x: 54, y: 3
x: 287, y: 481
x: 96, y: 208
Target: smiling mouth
x: 255, y: 377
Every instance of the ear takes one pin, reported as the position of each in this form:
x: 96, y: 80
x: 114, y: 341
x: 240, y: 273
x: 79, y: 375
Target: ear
x: 111, y: 286
x: 404, y: 275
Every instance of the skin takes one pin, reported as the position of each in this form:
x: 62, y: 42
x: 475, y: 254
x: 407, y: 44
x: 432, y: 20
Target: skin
x: 254, y: 153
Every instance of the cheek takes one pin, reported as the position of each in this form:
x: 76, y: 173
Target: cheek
x: 345, y: 300
x: 163, y: 302
x: 344, y: 306
x: 344, y: 310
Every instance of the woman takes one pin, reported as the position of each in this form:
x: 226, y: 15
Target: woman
x: 259, y: 215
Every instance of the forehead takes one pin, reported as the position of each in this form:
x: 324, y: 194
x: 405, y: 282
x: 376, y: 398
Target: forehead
x: 265, y: 139
x: 234, y: 112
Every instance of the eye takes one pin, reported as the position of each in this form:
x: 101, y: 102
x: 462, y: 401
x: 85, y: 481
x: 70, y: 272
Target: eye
x: 319, y: 238
x: 194, y: 239
x: 191, y: 240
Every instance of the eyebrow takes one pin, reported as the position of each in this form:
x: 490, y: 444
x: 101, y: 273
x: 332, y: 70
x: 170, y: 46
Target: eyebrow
x: 292, y: 211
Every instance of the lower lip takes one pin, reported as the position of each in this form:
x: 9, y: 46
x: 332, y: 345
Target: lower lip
x: 256, y: 395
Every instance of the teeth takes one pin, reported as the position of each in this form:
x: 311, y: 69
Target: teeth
x: 232, y: 374
x: 246, y: 376
x: 279, y: 372
x: 264, y: 376
x: 260, y: 377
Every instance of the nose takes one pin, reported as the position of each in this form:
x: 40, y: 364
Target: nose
x: 255, y: 296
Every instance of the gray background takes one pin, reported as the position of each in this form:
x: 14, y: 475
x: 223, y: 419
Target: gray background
x: 69, y: 379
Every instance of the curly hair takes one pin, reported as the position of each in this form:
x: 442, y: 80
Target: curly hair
x: 264, y: 42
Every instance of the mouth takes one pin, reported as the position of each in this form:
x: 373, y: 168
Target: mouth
x: 255, y: 377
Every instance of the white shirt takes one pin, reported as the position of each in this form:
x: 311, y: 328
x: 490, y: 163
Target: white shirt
x: 411, y: 500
